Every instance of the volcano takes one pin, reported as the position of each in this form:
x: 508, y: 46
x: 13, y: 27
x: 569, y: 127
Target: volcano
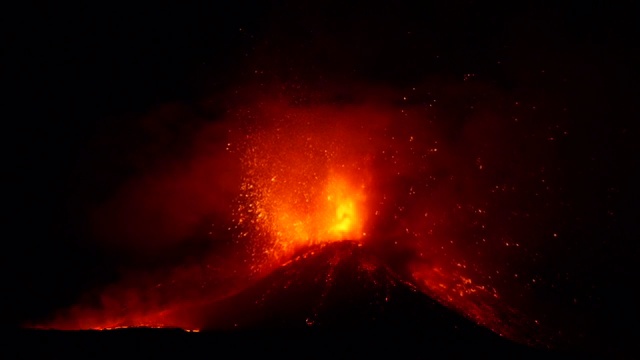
x: 336, y: 286
x: 329, y: 298
x: 311, y: 176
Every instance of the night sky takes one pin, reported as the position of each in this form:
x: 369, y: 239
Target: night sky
x: 105, y: 102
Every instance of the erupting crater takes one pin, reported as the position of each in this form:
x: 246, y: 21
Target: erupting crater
x: 318, y: 184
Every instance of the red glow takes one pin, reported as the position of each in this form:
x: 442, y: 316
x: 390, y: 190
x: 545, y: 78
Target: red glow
x: 309, y: 175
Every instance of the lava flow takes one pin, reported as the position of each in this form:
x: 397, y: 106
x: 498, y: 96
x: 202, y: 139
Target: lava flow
x: 379, y: 173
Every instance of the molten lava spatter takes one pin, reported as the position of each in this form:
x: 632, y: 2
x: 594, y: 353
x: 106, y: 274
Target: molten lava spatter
x: 314, y: 174
x: 302, y: 185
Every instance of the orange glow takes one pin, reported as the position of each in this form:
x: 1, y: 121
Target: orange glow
x: 304, y: 185
x: 307, y: 175
x: 343, y: 202
x: 333, y: 214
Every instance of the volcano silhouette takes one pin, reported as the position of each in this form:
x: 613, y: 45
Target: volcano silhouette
x: 343, y: 297
x: 330, y: 299
x: 336, y: 285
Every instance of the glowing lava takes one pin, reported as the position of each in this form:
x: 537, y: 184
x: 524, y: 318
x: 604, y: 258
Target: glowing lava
x: 302, y: 184
x: 308, y: 215
x: 313, y: 175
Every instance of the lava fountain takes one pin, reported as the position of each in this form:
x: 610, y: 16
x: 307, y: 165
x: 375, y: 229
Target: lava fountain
x: 305, y: 183
x: 315, y: 172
